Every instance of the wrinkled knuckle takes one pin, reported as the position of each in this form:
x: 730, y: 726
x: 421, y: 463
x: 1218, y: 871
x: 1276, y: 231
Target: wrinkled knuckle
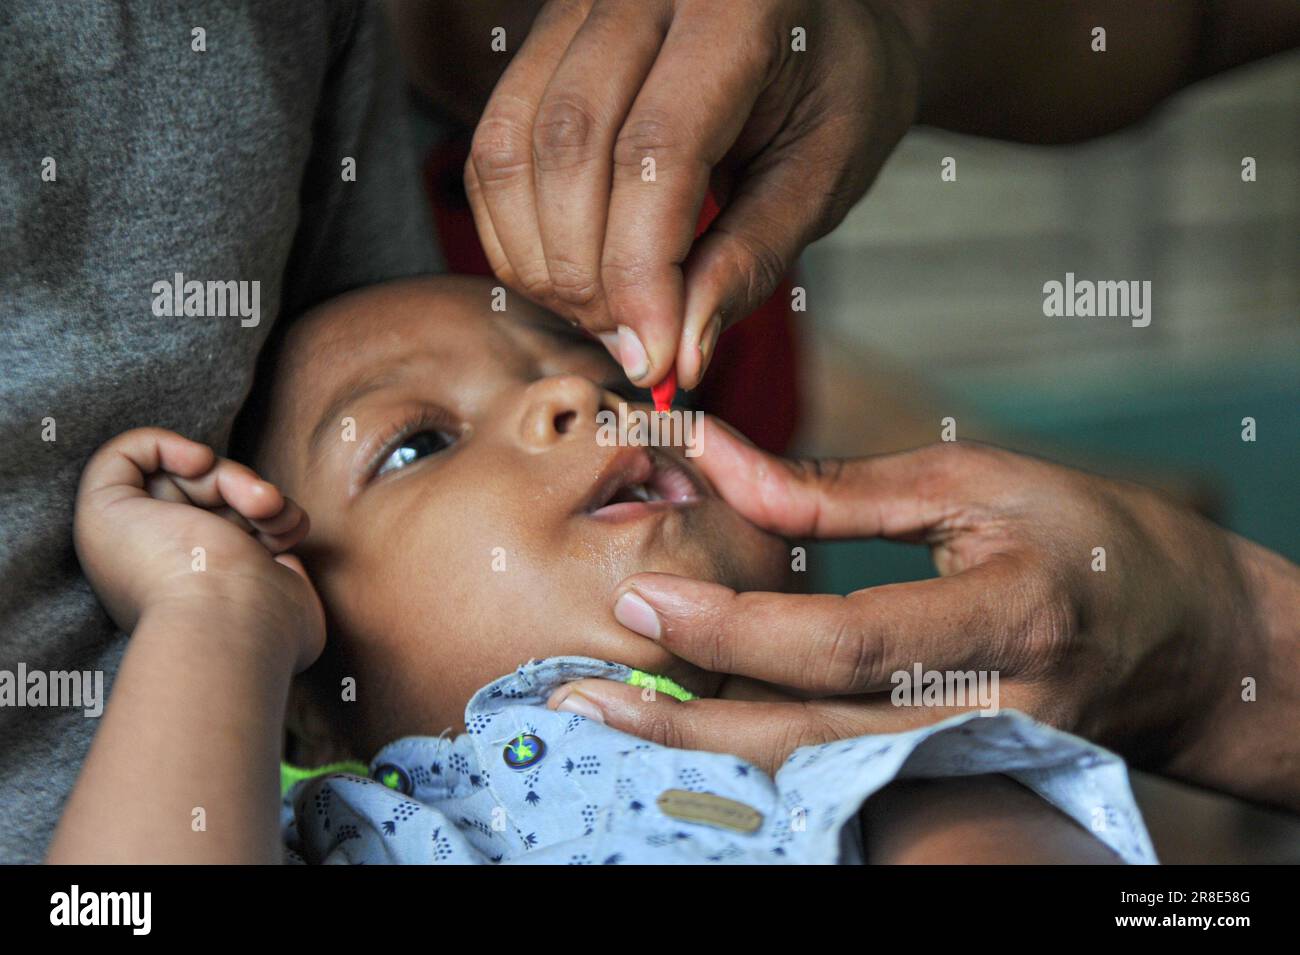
x: 1057, y: 626
x: 501, y: 149
x: 717, y: 646
x: 650, y: 134
x: 505, y: 274
x: 1050, y: 620
x: 821, y: 476
x: 536, y: 284
x: 624, y: 273
x: 659, y: 727
x: 808, y: 730
x: 851, y: 662
x: 825, y: 473
x: 758, y: 263
x: 565, y: 133
x: 572, y: 283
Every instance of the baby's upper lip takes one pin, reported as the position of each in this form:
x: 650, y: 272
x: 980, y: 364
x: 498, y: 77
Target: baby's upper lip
x: 630, y: 466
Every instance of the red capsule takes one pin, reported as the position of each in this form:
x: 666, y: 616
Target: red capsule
x: 664, y: 392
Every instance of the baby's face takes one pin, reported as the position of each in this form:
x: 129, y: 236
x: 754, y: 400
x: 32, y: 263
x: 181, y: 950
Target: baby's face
x: 464, y: 517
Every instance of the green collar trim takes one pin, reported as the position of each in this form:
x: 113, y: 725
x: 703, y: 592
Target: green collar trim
x: 291, y: 775
x: 660, y: 684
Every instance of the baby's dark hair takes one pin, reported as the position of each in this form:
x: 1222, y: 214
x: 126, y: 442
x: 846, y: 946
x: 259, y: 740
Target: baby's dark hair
x: 248, y: 437
x: 248, y: 432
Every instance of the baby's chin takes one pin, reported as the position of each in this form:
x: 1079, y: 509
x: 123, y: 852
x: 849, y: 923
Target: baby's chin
x: 620, y: 645
x: 717, y: 545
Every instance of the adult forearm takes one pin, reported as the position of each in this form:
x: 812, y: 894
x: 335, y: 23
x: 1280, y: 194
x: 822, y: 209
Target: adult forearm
x: 1027, y: 70
x: 184, y: 767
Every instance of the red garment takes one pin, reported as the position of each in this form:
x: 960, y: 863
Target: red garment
x: 752, y: 382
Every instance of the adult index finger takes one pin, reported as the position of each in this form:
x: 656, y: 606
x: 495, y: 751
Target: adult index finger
x: 901, y: 496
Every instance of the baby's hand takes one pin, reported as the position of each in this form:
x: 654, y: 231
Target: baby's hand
x: 162, y: 521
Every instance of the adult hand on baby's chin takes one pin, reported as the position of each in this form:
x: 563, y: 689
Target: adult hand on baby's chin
x: 1143, y: 649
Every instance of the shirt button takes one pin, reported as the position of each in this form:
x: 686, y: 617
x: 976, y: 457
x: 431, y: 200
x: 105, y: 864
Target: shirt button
x: 526, y: 750
x: 394, y: 777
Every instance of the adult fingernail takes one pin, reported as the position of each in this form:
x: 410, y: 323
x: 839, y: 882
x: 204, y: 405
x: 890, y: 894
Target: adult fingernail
x: 632, y: 353
x: 633, y: 612
x: 610, y: 341
x: 708, y: 339
x: 579, y: 704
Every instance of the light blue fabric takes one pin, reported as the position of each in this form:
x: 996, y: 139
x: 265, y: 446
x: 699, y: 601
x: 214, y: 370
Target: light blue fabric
x: 592, y: 797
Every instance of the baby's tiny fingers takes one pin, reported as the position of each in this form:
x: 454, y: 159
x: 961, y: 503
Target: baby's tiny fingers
x: 235, y: 485
x: 247, y: 493
x: 232, y: 515
x: 161, y: 486
x: 285, y: 530
x: 132, y: 456
x: 282, y: 522
x: 279, y: 533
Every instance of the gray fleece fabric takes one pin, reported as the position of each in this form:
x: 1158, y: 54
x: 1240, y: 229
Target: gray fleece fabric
x: 127, y: 156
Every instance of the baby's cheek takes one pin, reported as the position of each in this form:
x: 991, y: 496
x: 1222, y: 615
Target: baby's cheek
x: 765, y: 562
x: 723, y: 547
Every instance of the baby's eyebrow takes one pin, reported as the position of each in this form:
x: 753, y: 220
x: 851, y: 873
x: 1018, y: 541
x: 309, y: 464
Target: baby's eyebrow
x: 352, y: 392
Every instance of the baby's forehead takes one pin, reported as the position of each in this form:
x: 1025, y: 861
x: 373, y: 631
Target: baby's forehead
x: 371, y: 320
x: 366, y: 330
x: 368, y: 334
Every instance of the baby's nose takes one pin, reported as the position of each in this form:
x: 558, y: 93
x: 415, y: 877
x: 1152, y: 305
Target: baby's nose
x: 558, y: 408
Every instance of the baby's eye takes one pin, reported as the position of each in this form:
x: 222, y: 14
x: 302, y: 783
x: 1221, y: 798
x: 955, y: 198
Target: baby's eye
x: 413, y: 447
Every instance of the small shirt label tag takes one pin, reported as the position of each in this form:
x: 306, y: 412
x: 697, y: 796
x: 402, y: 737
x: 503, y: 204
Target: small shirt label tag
x: 709, y: 810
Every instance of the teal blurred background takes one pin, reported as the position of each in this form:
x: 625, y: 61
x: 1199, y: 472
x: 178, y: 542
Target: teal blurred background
x: 1190, y: 427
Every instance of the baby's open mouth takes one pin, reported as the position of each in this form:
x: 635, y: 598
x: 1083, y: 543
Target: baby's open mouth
x: 637, y: 483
